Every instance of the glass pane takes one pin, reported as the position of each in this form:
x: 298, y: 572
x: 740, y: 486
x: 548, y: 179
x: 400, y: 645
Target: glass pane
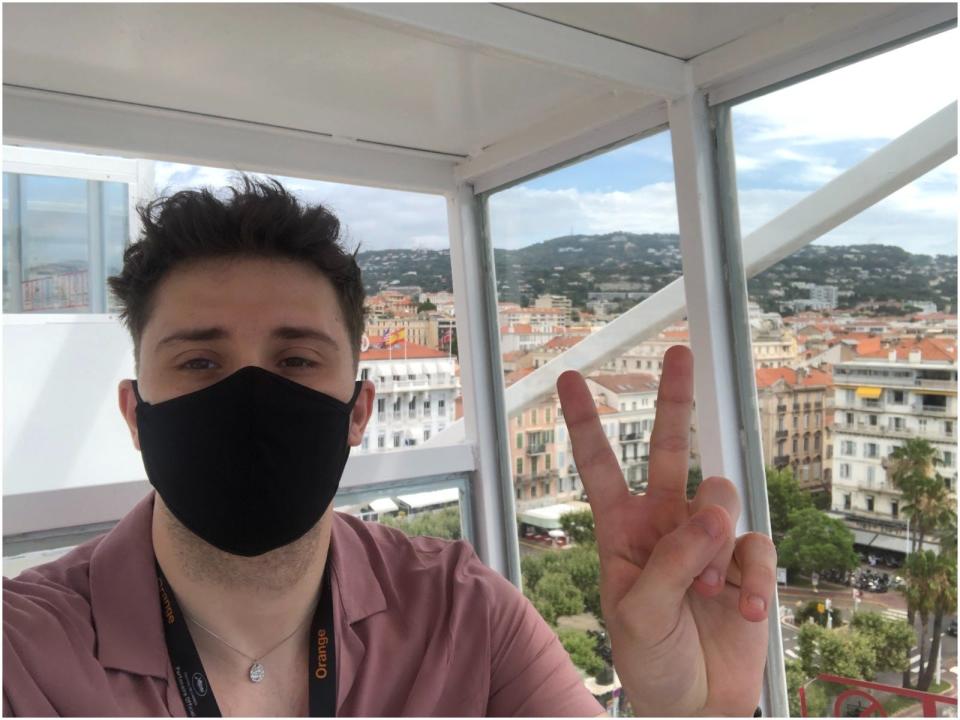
x: 11, y: 235
x: 115, y: 225
x: 430, y: 509
x: 410, y: 351
x: 54, y: 244
x: 575, y: 249
x: 855, y: 354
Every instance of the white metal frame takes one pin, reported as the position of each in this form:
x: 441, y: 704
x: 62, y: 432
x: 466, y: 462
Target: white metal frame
x: 638, y: 91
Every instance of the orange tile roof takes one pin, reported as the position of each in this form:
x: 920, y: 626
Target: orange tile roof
x: 929, y: 348
x: 517, y: 329
x: 413, y: 351
x: 769, y: 376
x: 603, y: 409
x: 563, y: 342
x: 627, y: 382
x: 517, y: 374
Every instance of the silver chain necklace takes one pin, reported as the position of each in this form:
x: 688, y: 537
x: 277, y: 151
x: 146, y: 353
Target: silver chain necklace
x: 256, y: 672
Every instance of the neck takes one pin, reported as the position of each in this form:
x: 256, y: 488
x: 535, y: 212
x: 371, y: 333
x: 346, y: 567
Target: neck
x: 252, y: 603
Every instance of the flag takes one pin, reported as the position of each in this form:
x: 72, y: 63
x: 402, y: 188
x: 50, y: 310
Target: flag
x: 394, y: 337
x: 447, y: 337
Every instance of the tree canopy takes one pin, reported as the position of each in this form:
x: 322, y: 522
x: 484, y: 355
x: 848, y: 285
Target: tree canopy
x: 579, y: 527
x: 816, y: 542
x: 784, y: 496
x: 443, y: 523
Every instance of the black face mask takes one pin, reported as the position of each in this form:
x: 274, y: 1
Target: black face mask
x: 250, y: 463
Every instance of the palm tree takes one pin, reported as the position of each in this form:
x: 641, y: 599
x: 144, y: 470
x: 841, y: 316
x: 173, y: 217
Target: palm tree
x: 927, y: 503
x: 943, y: 589
x: 919, y: 572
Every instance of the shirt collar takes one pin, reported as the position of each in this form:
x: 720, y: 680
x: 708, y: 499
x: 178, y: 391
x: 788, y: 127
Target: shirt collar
x: 125, y: 599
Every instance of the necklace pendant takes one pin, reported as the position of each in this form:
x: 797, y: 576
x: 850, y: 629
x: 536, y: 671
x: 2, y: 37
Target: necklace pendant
x: 256, y: 672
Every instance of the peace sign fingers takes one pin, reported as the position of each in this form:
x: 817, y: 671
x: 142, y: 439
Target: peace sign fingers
x: 670, y: 439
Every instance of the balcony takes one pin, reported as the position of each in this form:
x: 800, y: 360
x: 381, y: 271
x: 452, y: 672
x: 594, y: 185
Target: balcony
x: 781, y: 434
x: 781, y: 408
x: 628, y: 437
x: 536, y: 448
x: 935, y: 409
x: 781, y: 461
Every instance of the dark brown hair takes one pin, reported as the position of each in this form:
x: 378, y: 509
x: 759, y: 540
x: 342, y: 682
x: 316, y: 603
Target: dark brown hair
x: 259, y: 219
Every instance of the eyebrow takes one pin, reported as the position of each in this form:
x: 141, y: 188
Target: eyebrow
x: 285, y: 332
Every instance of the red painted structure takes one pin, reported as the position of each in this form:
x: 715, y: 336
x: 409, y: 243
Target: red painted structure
x: 927, y: 700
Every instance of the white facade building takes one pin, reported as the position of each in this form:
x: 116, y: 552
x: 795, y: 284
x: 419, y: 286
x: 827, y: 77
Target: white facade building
x: 879, y: 404
x: 416, y: 390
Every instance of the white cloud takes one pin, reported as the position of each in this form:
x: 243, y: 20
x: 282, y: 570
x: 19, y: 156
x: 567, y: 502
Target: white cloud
x: 522, y: 215
x: 880, y: 97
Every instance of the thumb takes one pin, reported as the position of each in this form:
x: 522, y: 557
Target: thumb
x: 677, y: 559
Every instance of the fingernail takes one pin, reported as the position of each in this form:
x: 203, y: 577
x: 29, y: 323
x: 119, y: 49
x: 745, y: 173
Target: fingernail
x: 709, y: 522
x: 758, y: 602
x: 710, y: 576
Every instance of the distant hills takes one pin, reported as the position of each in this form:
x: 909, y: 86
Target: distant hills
x: 575, y: 265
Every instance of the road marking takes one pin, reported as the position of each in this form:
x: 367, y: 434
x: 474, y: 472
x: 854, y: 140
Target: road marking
x: 954, y: 669
x: 895, y: 613
x: 914, y: 659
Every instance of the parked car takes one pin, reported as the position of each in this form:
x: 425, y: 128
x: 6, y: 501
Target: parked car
x: 952, y: 630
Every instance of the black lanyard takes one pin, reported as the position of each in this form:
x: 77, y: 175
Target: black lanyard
x: 192, y: 681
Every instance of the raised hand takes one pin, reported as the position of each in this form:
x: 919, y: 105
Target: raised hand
x: 685, y: 601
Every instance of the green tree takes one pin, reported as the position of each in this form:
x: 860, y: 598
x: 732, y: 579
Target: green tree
x: 816, y: 542
x: 582, y: 650
x: 892, y: 640
x: 694, y: 478
x: 579, y: 527
x: 426, y: 306
x: 556, y: 595
x: 580, y: 565
x: 835, y: 652
x: 816, y: 694
x: 931, y: 590
x: 444, y: 523
x: 784, y: 496
x: 926, y: 500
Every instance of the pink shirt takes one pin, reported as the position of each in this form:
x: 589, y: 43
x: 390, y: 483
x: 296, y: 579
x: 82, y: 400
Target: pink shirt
x: 422, y: 628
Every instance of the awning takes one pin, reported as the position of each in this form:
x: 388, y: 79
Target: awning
x: 548, y: 517
x: 383, y: 505
x: 417, y: 501
x: 872, y: 393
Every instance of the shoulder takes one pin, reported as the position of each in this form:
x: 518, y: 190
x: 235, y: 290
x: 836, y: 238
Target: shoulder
x: 399, y: 555
x: 47, y: 608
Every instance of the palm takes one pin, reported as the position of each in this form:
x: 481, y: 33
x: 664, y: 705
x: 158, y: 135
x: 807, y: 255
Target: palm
x: 691, y: 650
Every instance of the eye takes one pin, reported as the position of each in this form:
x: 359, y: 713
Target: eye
x: 298, y: 362
x: 198, y: 364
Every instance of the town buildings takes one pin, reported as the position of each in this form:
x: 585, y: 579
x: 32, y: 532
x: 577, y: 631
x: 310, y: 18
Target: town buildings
x: 882, y: 399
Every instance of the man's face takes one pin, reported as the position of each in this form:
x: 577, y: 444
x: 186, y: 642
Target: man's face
x: 212, y: 318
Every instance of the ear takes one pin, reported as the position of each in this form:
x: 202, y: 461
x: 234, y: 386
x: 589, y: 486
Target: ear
x: 128, y: 408
x: 362, y: 411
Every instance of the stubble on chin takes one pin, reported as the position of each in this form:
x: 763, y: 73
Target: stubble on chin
x: 273, y: 572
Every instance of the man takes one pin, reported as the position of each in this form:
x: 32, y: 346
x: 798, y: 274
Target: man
x: 234, y: 589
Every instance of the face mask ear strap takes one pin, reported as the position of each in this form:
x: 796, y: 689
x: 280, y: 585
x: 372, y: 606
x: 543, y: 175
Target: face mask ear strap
x: 136, y: 391
x: 357, y: 387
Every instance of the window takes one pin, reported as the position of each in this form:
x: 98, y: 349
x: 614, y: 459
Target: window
x: 381, y: 409
x: 897, y: 397
x: 519, y: 466
x: 365, y: 443
x: 948, y: 458
x: 381, y: 440
x: 533, y: 416
x: 519, y: 441
x: 441, y: 408
x: 848, y: 448
x: 546, y: 415
x: 846, y: 501
x: 871, y: 474
x: 806, y: 443
x: 796, y: 444
x: 872, y: 420
x: 849, y: 418
x: 871, y: 450
x: 397, y: 437
x: 546, y: 462
x: 845, y: 471
x: 412, y: 408
x: 426, y: 434
x: 948, y: 427
x: 816, y: 442
x: 894, y: 509
x: 869, y: 503
x: 62, y: 238
x: 780, y: 422
x: 426, y: 408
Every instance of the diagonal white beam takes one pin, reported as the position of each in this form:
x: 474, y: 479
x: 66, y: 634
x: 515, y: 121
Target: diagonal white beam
x: 890, y: 168
x: 510, y: 32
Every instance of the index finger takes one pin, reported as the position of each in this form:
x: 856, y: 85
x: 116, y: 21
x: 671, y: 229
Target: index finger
x: 670, y: 438
x: 592, y: 453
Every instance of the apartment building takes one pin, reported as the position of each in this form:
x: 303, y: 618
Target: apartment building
x: 632, y: 398
x: 795, y: 409
x: 416, y: 392
x: 423, y: 331
x: 882, y: 399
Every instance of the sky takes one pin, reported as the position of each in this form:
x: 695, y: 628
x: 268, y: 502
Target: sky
x: 788, y: 144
